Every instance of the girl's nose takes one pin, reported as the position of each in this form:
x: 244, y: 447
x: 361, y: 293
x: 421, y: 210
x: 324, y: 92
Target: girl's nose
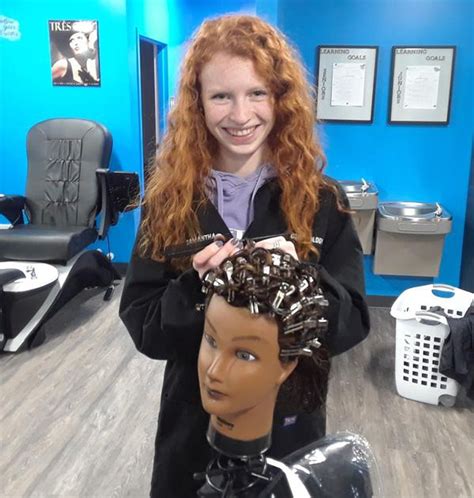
x: 241, y: 112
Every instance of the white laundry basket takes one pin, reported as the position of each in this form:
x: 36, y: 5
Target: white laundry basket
x: 420, y: 336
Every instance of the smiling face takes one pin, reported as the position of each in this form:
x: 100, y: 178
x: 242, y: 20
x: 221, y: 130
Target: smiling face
x: 238, y: 109
x: 239, y: 367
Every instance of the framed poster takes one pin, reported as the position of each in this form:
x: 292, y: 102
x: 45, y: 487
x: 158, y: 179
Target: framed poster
x: 346, y: 83
x: 74, y: 47
x: 421, y: 83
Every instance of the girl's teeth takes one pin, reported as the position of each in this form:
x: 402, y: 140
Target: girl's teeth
x: 241, y: 133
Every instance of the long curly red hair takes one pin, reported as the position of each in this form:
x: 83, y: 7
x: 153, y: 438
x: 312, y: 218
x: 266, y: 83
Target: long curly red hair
x: 177, y: 184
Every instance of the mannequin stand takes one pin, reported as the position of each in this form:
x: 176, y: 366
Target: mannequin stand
x: 239, y: 469
x: 234, y: 477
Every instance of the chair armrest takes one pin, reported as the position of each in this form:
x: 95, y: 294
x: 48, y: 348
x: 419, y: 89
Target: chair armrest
x: 124, y: 190
x: 11, y: 206
x: 119, y: 192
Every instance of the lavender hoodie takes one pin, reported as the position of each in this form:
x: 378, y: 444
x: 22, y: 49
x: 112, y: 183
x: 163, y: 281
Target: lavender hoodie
x: 233, y: 196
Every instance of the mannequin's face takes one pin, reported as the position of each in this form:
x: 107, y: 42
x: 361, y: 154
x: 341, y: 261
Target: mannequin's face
x: 238, y: 363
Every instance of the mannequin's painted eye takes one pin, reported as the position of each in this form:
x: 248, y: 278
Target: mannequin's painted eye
x: 245, y: 355
x: 210, y: 340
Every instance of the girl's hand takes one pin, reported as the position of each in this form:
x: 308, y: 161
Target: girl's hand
x: 280, y: 243
x: 213, y: 255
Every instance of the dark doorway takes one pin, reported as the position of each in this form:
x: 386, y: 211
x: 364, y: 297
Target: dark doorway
x: 154, y: 98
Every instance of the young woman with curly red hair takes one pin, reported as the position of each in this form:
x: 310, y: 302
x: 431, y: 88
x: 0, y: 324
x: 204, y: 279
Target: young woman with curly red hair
x: 240, y: 159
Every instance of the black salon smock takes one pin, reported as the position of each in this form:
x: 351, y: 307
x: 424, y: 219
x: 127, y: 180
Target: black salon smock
x: 158, y: 309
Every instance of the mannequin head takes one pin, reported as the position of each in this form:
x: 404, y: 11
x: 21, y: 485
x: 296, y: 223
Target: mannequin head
x: 263, y: 327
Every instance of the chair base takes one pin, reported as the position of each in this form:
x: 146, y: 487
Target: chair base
x: 86, y: 269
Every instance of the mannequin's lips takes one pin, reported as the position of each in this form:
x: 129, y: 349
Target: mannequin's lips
x: 213, y: 394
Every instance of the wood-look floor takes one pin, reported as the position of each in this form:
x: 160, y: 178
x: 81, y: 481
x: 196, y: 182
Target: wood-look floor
x: 78, y: 414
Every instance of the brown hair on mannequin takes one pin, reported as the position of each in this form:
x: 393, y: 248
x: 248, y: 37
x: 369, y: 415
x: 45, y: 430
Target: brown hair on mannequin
x: 273, y: 285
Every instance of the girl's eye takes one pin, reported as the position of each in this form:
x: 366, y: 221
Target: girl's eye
x: 210, y: 340
x: 245, y: 355
x: 219, y: 96
x: 259, y: 93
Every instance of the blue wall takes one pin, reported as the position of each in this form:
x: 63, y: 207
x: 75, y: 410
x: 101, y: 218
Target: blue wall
x: 406, y: 162
x: 189, y: 15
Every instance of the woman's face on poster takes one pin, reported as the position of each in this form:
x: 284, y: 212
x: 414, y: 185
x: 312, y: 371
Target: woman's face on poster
x: 78, y: 43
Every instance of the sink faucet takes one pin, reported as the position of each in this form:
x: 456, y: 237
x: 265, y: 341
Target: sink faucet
x: 365, y: 185
x: 439, y: 210
x: 31, y: 270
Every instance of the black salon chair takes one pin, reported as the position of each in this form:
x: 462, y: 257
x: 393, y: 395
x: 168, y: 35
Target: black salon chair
x: 71, y: 200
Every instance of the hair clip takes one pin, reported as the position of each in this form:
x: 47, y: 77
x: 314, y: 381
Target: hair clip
x: 253, y: 304
x: 286, y: 260
x: 315, y: 343
x: 292, y: 329
x: 276, y: 259
x: 290, y: 291
x: 296, y: 352
x: 228, y: 267
x: 207, y: 282
x: 323, y: 323
x: 280, y: 295
x: 303, y: 285
x: 294, y: 308
x: 305, y: 325
x: 218, y: 283
x: 266, y: 274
